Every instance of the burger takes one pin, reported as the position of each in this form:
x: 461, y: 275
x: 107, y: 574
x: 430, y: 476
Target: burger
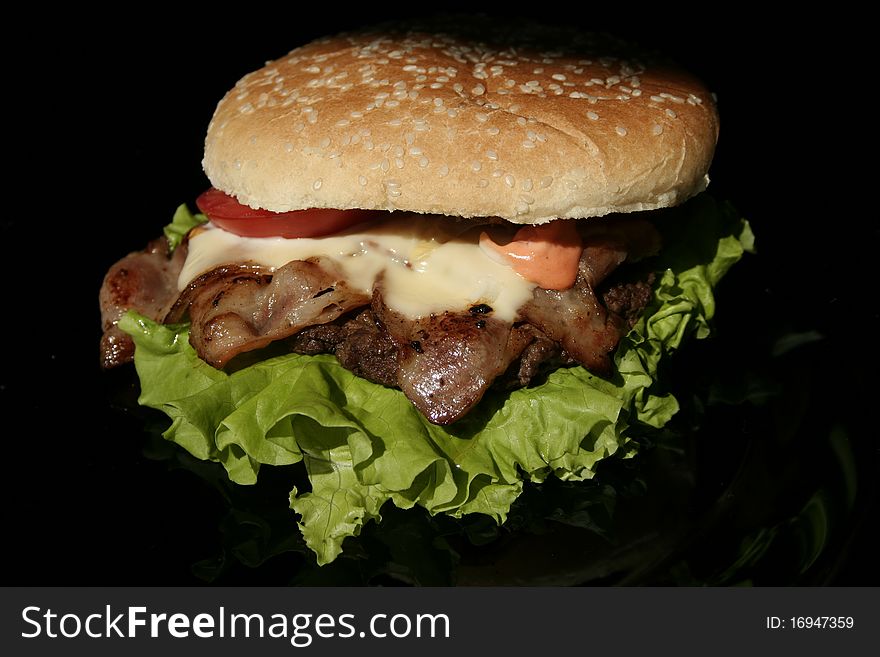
x: 436, y: 261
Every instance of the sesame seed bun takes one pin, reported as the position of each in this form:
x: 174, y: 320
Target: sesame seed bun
x: 466, y: 119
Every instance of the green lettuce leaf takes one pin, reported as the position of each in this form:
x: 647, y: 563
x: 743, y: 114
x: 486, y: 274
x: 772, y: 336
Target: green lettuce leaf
x: 182, y: 222
x: 364, y: 445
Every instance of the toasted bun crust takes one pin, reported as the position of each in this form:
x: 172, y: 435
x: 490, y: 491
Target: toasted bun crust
x: 465, y: 119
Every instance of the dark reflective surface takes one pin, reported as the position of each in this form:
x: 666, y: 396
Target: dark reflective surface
x: 766, y: 477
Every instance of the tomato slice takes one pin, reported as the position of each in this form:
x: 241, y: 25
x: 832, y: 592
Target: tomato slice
x: 227, y: 213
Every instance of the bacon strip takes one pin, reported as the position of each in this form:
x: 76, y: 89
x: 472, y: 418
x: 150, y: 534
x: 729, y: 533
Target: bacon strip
x: 145, y: 281
x: 238, y: 308
x: 444, y: 363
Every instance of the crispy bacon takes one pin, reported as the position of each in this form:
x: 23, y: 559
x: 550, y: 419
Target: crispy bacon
x: 444, y: 363
x: 145, y: 281
x: 238, y: 308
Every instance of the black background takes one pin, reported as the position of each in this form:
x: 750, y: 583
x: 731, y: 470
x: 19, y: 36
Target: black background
x: 110, y: 115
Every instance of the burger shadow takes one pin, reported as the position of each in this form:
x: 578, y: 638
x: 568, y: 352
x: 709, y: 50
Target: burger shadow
x: 691, y: 231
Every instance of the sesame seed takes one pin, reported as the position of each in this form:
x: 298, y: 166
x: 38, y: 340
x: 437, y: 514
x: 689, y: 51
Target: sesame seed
x: 528, y: 144
x: 457, y: 87
x: 385, y: 165
x: 521, y: 121
x: 621, y: 131
x: 397, y: 151
x: 317, y: 184
x: 558, y: 76
x: 288, y: 147
x: 476, y: 166
x: 493, y: 130
x: 483, y: 183
x: 362, y: 180
x: 670, y: 113
x: 657, y: 129
x: 592, y: 116
x: 522, y: 208
x: 341, y: 123
x: 527, y: 186
x: 478, y: 90
x: 513, y: 108
x: 492, y: 155
x: 398, y: 162
x: 438, y: 102
x: 324, y: 143
x: 443, y: 171
x: 423, y: 161
x: 657, y: 99
x: 481, y: 117
x: 546, y: 181
x: 636, y: 93
x: 509, y: 180
x: 415, y: 150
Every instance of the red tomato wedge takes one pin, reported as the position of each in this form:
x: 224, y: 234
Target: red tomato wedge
x: 227, y: 213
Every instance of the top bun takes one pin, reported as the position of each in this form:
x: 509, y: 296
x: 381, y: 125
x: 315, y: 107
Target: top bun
x: 467, y: 118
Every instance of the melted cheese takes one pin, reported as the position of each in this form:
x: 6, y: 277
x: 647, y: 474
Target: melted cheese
x: 428, y: 264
